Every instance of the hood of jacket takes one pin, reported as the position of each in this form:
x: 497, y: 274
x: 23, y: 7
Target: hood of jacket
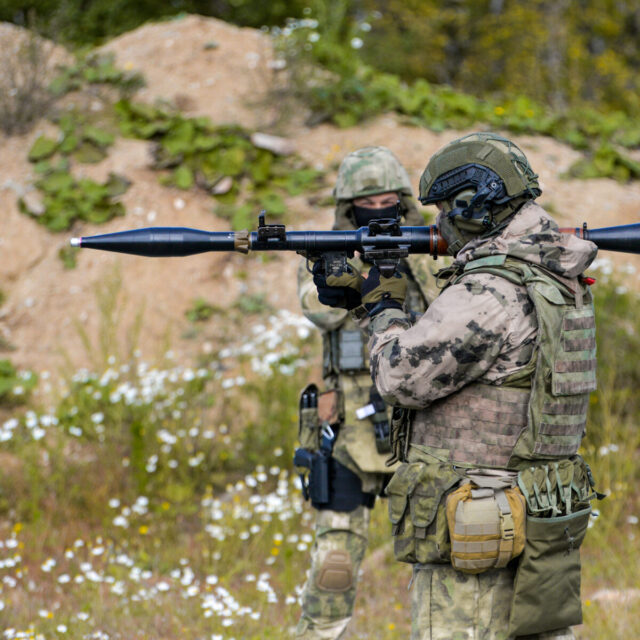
x: 533, y: 235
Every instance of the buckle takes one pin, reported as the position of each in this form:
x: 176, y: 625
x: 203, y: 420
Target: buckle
x: 507, y: 528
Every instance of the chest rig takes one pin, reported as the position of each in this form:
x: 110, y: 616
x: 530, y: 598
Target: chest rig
x: 345, y: 351
x: 537, y: 413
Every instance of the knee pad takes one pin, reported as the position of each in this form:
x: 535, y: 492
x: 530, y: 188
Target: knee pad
x: 336, y: 572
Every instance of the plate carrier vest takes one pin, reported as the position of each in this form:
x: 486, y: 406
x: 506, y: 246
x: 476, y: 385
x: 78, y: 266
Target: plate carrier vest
x: 537, y: 413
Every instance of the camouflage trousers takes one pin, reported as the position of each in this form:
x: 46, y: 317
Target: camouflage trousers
x: 449, y: 605
x: 330, y: 591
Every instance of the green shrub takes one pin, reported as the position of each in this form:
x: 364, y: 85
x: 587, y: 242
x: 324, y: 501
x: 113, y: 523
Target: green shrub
x: 94, y: 68
x: 66, y: 198
x: 219, y: 159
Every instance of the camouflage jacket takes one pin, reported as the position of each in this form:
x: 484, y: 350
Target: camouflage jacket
x: 481, y: 329
x: 355, y: 446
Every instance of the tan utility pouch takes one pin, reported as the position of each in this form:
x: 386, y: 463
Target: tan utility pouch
x: 416, y: 511
x: 486, y: 527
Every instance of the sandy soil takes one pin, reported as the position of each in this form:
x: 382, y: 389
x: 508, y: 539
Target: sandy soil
x: 211, y: 68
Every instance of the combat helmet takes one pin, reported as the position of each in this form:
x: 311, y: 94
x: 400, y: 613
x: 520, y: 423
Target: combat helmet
x: 367, y: 172
x: 480, y: 180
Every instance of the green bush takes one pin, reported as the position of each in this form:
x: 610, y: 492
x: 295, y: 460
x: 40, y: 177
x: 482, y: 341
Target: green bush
x: 222, y: 160
x: 96, y: 69
x: 66, y: 198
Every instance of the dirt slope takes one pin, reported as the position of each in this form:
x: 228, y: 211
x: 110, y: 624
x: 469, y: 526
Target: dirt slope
x: 215, y: 69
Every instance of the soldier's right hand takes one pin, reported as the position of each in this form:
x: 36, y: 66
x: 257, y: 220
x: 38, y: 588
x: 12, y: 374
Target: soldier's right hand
x: 341, y: 290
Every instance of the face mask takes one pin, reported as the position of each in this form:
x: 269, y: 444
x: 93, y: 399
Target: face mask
x: 364, y: 215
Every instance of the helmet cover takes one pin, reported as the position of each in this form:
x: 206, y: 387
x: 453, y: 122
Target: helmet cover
x: 370, y: 171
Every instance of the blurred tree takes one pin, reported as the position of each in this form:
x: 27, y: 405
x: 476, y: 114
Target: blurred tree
x: 561, y: 52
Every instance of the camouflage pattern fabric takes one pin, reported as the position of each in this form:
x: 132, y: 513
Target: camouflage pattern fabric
x: 481, y: 329
x: 325, y: 612
x: 449, y: 605
x: 369, y: 171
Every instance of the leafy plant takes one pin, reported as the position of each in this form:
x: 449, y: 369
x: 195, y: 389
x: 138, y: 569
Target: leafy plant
x: 606, y: 162
x: 201, y: 310
x: 95, y: 68
x: 222, y: 160
x: 253, y: 304
x: 78, y: 139
x: 66, y: 198
x: 69, y: 256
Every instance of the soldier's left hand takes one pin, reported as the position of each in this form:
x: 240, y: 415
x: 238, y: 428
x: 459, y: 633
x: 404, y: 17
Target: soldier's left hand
x: 341, y: 290
x: 380, y: 293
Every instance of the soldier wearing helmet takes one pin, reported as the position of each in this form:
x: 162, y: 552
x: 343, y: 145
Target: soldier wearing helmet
x: 371, y: 184
x: 491, y: 501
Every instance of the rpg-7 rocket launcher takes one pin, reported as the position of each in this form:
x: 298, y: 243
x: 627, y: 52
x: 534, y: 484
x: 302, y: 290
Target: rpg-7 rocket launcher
x: 383, y: 242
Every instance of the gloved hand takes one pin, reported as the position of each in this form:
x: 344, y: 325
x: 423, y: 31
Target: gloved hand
x: 338, y: 290
x: 381, y: 293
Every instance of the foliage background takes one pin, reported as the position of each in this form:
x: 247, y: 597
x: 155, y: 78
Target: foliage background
x: 559, y: 52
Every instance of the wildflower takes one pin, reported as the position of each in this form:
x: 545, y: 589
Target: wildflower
x: 38, y: 433
x: 121, y: 521
x: 143, y: 530
x: 48, y: 564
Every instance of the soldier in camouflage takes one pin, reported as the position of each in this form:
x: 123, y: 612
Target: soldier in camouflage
x: 495, y: 378
x: 371, y: 184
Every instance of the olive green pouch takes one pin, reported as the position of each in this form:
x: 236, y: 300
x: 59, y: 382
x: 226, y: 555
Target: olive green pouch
x: 417, y: 514
x: 547, y: 584
x: 328, y: 409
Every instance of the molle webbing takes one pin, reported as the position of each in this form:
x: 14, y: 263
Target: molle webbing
x: 508, y: 427
x: 562, y: 409
x: 479, y: 425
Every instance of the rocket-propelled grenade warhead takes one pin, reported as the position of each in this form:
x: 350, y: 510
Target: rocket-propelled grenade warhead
x: 161, y: 242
